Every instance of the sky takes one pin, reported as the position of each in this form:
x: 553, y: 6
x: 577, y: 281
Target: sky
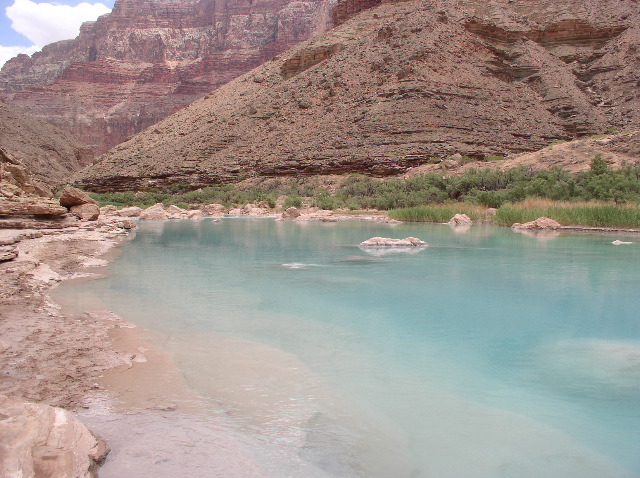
x: 28, y: 25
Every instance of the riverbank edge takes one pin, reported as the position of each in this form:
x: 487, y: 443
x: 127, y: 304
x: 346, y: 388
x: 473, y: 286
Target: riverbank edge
x: 48, y: 258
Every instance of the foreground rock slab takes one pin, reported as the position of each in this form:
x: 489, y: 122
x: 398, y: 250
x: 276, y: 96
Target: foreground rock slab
x: 38, y: 440
x: 30, y: 206
x: 74, y: 197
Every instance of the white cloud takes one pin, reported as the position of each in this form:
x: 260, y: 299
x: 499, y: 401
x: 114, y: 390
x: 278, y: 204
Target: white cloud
x: 45, y: 23
x: 8, y: 52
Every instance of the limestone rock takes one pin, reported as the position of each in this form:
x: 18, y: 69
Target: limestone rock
x: 175, y: 211
x: 195, y: 214
x: 214, y: 210
x: 16, y: 179
x: 154, y: 212
x: 8, y: 253
x: 540, y: 223
x: 388, y: 242
x: 86, y: 212
x: 10, y: 237
x: 39, y: 440
x: 30, y: 206
x: 71, y: 196
x: 460, y: 220
x: 133, y: 211
x: 109, y: 210
x: 291, y: 212
x: 126, y: 224
x: 55, y: 222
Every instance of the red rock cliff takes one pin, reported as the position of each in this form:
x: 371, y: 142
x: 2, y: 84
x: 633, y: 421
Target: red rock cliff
x: 149, y: 58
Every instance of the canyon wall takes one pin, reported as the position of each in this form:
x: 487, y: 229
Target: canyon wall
x: 149, y: 58
x: 399, y: 85
x: 46, y: 151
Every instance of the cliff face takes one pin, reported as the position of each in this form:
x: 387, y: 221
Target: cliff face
x: 397, y: 85
x: 149, y: 58
x: 49, y: 153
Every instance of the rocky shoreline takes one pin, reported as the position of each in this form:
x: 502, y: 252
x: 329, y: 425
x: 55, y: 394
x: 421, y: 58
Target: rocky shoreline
x: 51, y: 361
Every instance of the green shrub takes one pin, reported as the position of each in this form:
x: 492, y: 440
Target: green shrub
x: 292, y: 201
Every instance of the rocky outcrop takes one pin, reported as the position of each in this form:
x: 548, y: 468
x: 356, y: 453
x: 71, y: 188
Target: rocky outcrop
x: 148, y: 59
x: 30, y: 206
x: 8, y: 253
x: 388, y: 242
x: 133, y: 211
x: 397, y: 86
x: 542, y: 223
x: 79, y: 204
x: 460, y: 220
x: 50, y: 154
x: 85, y: 212
x: 17, y: 180
x: 40, y: 440
x: 71, y: 196
x: 156, y: 211
x: 291, y: 212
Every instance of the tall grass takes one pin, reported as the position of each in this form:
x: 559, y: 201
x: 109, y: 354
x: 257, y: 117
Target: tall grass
x: 592, y: 214
x: 439, y: 212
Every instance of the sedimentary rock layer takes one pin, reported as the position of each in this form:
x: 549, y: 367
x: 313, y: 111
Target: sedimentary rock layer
x: 49, y: 153
x: 399, y: 85
x: 149, y: 58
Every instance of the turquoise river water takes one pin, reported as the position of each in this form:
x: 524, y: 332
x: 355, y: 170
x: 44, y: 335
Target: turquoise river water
x: 487, y: 354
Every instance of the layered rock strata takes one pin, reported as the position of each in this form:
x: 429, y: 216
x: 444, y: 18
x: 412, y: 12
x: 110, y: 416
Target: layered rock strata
x: 397, y: 86
x: 50, y: 154
x: 148, y: 58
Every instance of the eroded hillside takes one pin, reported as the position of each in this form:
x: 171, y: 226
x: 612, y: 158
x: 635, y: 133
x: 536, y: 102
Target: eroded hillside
x: 49, y: 153
x: 395, y: 87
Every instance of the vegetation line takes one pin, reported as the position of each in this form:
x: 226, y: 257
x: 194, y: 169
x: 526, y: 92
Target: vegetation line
x: 599, y: 197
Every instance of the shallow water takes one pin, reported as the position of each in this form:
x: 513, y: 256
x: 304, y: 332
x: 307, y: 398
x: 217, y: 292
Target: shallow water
x: 488, y: 354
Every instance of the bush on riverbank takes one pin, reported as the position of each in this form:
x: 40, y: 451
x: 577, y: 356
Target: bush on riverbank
x: 486, y: 188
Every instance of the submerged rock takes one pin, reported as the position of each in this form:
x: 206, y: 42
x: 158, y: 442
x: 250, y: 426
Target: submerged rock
x: 40, y: 440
